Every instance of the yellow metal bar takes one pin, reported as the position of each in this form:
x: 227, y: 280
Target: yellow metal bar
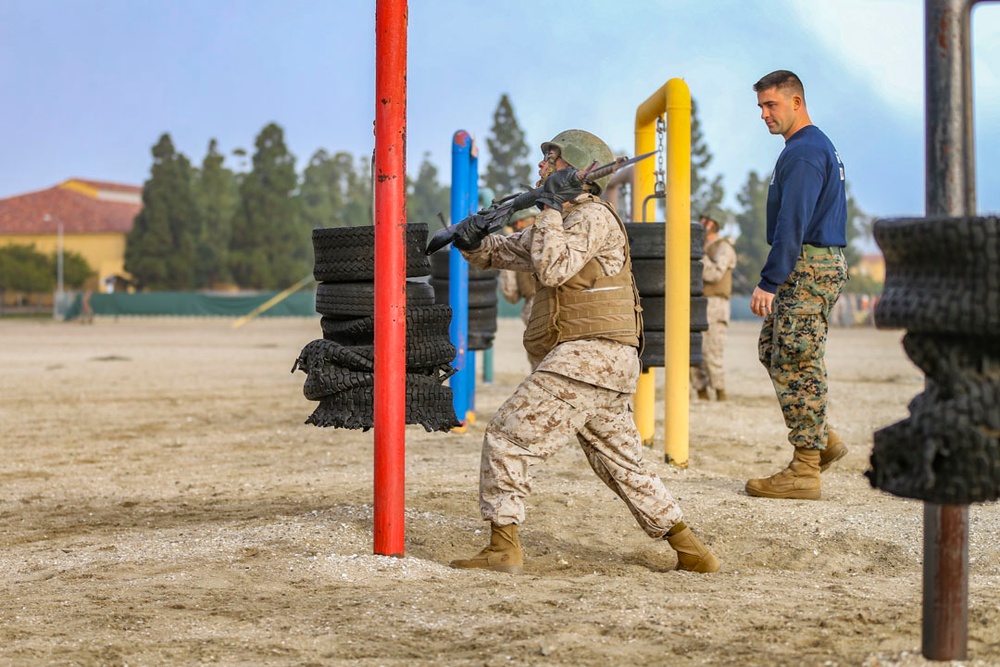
x: 644, y: 400
x: 677, y: 355
x: 273, y: 301
x: 674, y: 100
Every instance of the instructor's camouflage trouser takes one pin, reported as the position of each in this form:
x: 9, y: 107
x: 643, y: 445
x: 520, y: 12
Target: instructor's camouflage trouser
x: 542, y: 415
x: 793, y: 343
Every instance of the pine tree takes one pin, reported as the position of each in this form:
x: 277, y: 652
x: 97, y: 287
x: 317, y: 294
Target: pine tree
x: 160, y: 249
x: 334, y: 193
x: 508, y: 169
x: 270, y: 246
x: 859, y: 226
x: 751, y: 245
x: 216, y: 193
x: 426, y: 198
x: 318, y: 196
x: 706, y: 195
x: 356, y: 191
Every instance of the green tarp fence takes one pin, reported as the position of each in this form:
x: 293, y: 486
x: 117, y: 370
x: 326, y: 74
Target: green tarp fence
x: 195, y: 304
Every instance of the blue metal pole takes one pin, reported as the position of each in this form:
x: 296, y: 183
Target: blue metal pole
x: 458, y: 279
x: 472, y: 204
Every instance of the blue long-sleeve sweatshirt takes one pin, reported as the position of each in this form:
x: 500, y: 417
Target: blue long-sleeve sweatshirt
x: 806, y: 203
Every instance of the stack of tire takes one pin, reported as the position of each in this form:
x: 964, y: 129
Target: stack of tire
x: 483, y: 286
x: 340, y: 366
x: 647, y: 244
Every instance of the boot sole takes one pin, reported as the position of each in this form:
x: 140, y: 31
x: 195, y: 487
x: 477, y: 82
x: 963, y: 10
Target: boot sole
x: 790, y: 495
x: 506, y: 569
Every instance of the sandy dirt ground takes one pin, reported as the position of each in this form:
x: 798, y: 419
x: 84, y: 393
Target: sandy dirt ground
x: 163, y: 503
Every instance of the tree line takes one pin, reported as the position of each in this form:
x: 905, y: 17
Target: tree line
x: 24, y: 269
x: 211, y: 225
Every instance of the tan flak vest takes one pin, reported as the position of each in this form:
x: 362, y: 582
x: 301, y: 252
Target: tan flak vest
x: 723, y: 286
x: 591, y: 304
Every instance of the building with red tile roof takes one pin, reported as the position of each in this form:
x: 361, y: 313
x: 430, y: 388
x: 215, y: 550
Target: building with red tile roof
x: 94, y: 216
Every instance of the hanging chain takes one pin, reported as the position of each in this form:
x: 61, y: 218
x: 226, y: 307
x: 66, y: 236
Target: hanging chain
x: 660, y: 186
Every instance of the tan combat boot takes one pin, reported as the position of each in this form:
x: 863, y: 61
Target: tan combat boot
x: 503, y: 554
x: 703, y: 395
x: 835, y: 450
x: 800, y: 480
x: 720, y: 395
x: 692, y: 555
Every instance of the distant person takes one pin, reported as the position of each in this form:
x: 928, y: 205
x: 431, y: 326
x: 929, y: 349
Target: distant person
x: 518, y: 285
x: 582, y: 337
x: 801, y: 281
x: 86, y: 311
x: 719, y: 262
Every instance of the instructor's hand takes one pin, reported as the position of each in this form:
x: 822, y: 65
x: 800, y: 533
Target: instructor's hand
x: 760, y: 302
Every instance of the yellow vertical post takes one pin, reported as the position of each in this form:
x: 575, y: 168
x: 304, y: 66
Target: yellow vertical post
x: 674, y: 100
x: 644, y: 184
x: 677, y: 355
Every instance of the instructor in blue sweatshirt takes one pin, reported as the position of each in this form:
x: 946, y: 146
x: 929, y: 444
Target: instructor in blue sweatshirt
x: 802, y: 279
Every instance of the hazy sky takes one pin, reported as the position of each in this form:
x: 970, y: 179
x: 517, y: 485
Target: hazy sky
x: 89, y: 85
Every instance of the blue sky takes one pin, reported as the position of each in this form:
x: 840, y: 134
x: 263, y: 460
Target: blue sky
x: 89, y: 85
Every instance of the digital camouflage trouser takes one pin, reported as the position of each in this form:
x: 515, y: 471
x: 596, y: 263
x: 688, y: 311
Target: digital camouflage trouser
x: 545, y: 412
x: 792, y: 345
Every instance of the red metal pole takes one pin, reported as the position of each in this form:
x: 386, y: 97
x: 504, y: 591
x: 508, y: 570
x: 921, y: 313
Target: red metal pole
x: 390, y: 275
x: 946, y: 582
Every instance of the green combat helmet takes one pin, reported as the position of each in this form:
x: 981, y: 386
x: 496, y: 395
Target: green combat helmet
x: 580, y: 149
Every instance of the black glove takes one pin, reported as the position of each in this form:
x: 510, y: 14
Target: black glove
x: 560, y: 187
x: 469, y: 233
x: 525, y: 200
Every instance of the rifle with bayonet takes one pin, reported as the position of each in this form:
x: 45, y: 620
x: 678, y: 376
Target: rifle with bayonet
x: 500, y: 211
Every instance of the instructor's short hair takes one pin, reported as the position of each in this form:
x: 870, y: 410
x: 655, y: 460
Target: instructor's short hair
x: 781, y: 79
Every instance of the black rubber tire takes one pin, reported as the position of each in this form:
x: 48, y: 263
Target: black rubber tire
x: 652, y: 353
x: 321, y: 383
x: 942, y: 275
x: 347, y: 254
x: 650, y: 277
x: 482, y: 292
x: 358, y: 299
x: 322, y: 353
x: 647, y: 241
x: 421, y: 352
x: 483, y: 320
x: 697, y: 278
x: 480, y: 340
x: 429, y: 403
x: 441, y: 267
x: 654, y: 313
x: 948, y: 450
x: 425, y: 321
x: 699, y: 313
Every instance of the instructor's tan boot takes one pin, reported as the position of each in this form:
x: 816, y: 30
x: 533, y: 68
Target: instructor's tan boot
x: 503, y: 554
x: 800, y: 480
x: 692, y: 555
x: 835, y: 450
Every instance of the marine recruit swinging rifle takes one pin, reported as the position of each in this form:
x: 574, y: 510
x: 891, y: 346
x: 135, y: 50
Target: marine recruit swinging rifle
x: 500, y: 211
